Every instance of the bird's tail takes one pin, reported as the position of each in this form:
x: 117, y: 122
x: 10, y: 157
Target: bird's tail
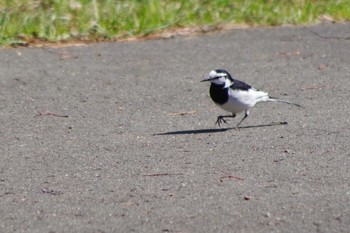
x: 273, y: 99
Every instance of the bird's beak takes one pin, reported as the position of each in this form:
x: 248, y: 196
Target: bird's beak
x: 206, y: 79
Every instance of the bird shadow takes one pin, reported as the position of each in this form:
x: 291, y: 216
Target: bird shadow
x: 217, y: 130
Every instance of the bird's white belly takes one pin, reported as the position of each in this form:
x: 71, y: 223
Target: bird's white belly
x: 240, y: 101
x: 234, y: 106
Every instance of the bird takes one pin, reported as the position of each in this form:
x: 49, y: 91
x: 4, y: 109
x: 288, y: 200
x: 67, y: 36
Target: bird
x: 235, y: 96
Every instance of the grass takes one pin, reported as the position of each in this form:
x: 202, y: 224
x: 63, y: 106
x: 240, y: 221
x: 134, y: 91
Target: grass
x: 65, y: 20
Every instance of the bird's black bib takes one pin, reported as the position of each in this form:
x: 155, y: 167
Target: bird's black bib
x: 218, y: 93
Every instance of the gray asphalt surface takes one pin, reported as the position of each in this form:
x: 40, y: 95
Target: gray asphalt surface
x: 120, y: 137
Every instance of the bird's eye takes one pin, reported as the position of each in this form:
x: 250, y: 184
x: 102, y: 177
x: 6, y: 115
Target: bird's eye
x: 221, y: 75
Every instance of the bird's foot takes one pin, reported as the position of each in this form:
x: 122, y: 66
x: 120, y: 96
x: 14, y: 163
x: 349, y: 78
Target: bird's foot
x: 220, y: 120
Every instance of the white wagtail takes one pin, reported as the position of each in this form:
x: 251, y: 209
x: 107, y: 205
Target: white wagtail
x: 235, y: 96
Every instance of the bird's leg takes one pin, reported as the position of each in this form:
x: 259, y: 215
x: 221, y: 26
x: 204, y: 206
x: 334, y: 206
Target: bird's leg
x: 222, y: 119
x: 245, y: 116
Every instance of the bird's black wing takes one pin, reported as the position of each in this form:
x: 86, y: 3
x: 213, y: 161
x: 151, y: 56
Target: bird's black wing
x: 239, y: 85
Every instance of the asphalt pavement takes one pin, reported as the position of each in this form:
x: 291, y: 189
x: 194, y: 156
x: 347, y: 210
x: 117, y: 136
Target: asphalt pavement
x: 120, y: 137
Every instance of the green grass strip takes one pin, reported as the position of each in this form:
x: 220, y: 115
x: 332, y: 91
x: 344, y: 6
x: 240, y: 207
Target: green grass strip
x: 56, y: 20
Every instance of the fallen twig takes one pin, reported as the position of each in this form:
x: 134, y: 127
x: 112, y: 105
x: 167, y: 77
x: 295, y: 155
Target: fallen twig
x: 50, y: 114
x: 289, y: 54
x: 230, y: 177
x: 330, y: 37
x: 312, y: 87
x: 164, y: 174
x: 50, y: 191
x: 181, y: 113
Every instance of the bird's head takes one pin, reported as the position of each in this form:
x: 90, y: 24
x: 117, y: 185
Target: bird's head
x: 219, y: 77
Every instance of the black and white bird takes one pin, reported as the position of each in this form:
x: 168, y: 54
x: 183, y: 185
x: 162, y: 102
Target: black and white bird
x: 235, y: 96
